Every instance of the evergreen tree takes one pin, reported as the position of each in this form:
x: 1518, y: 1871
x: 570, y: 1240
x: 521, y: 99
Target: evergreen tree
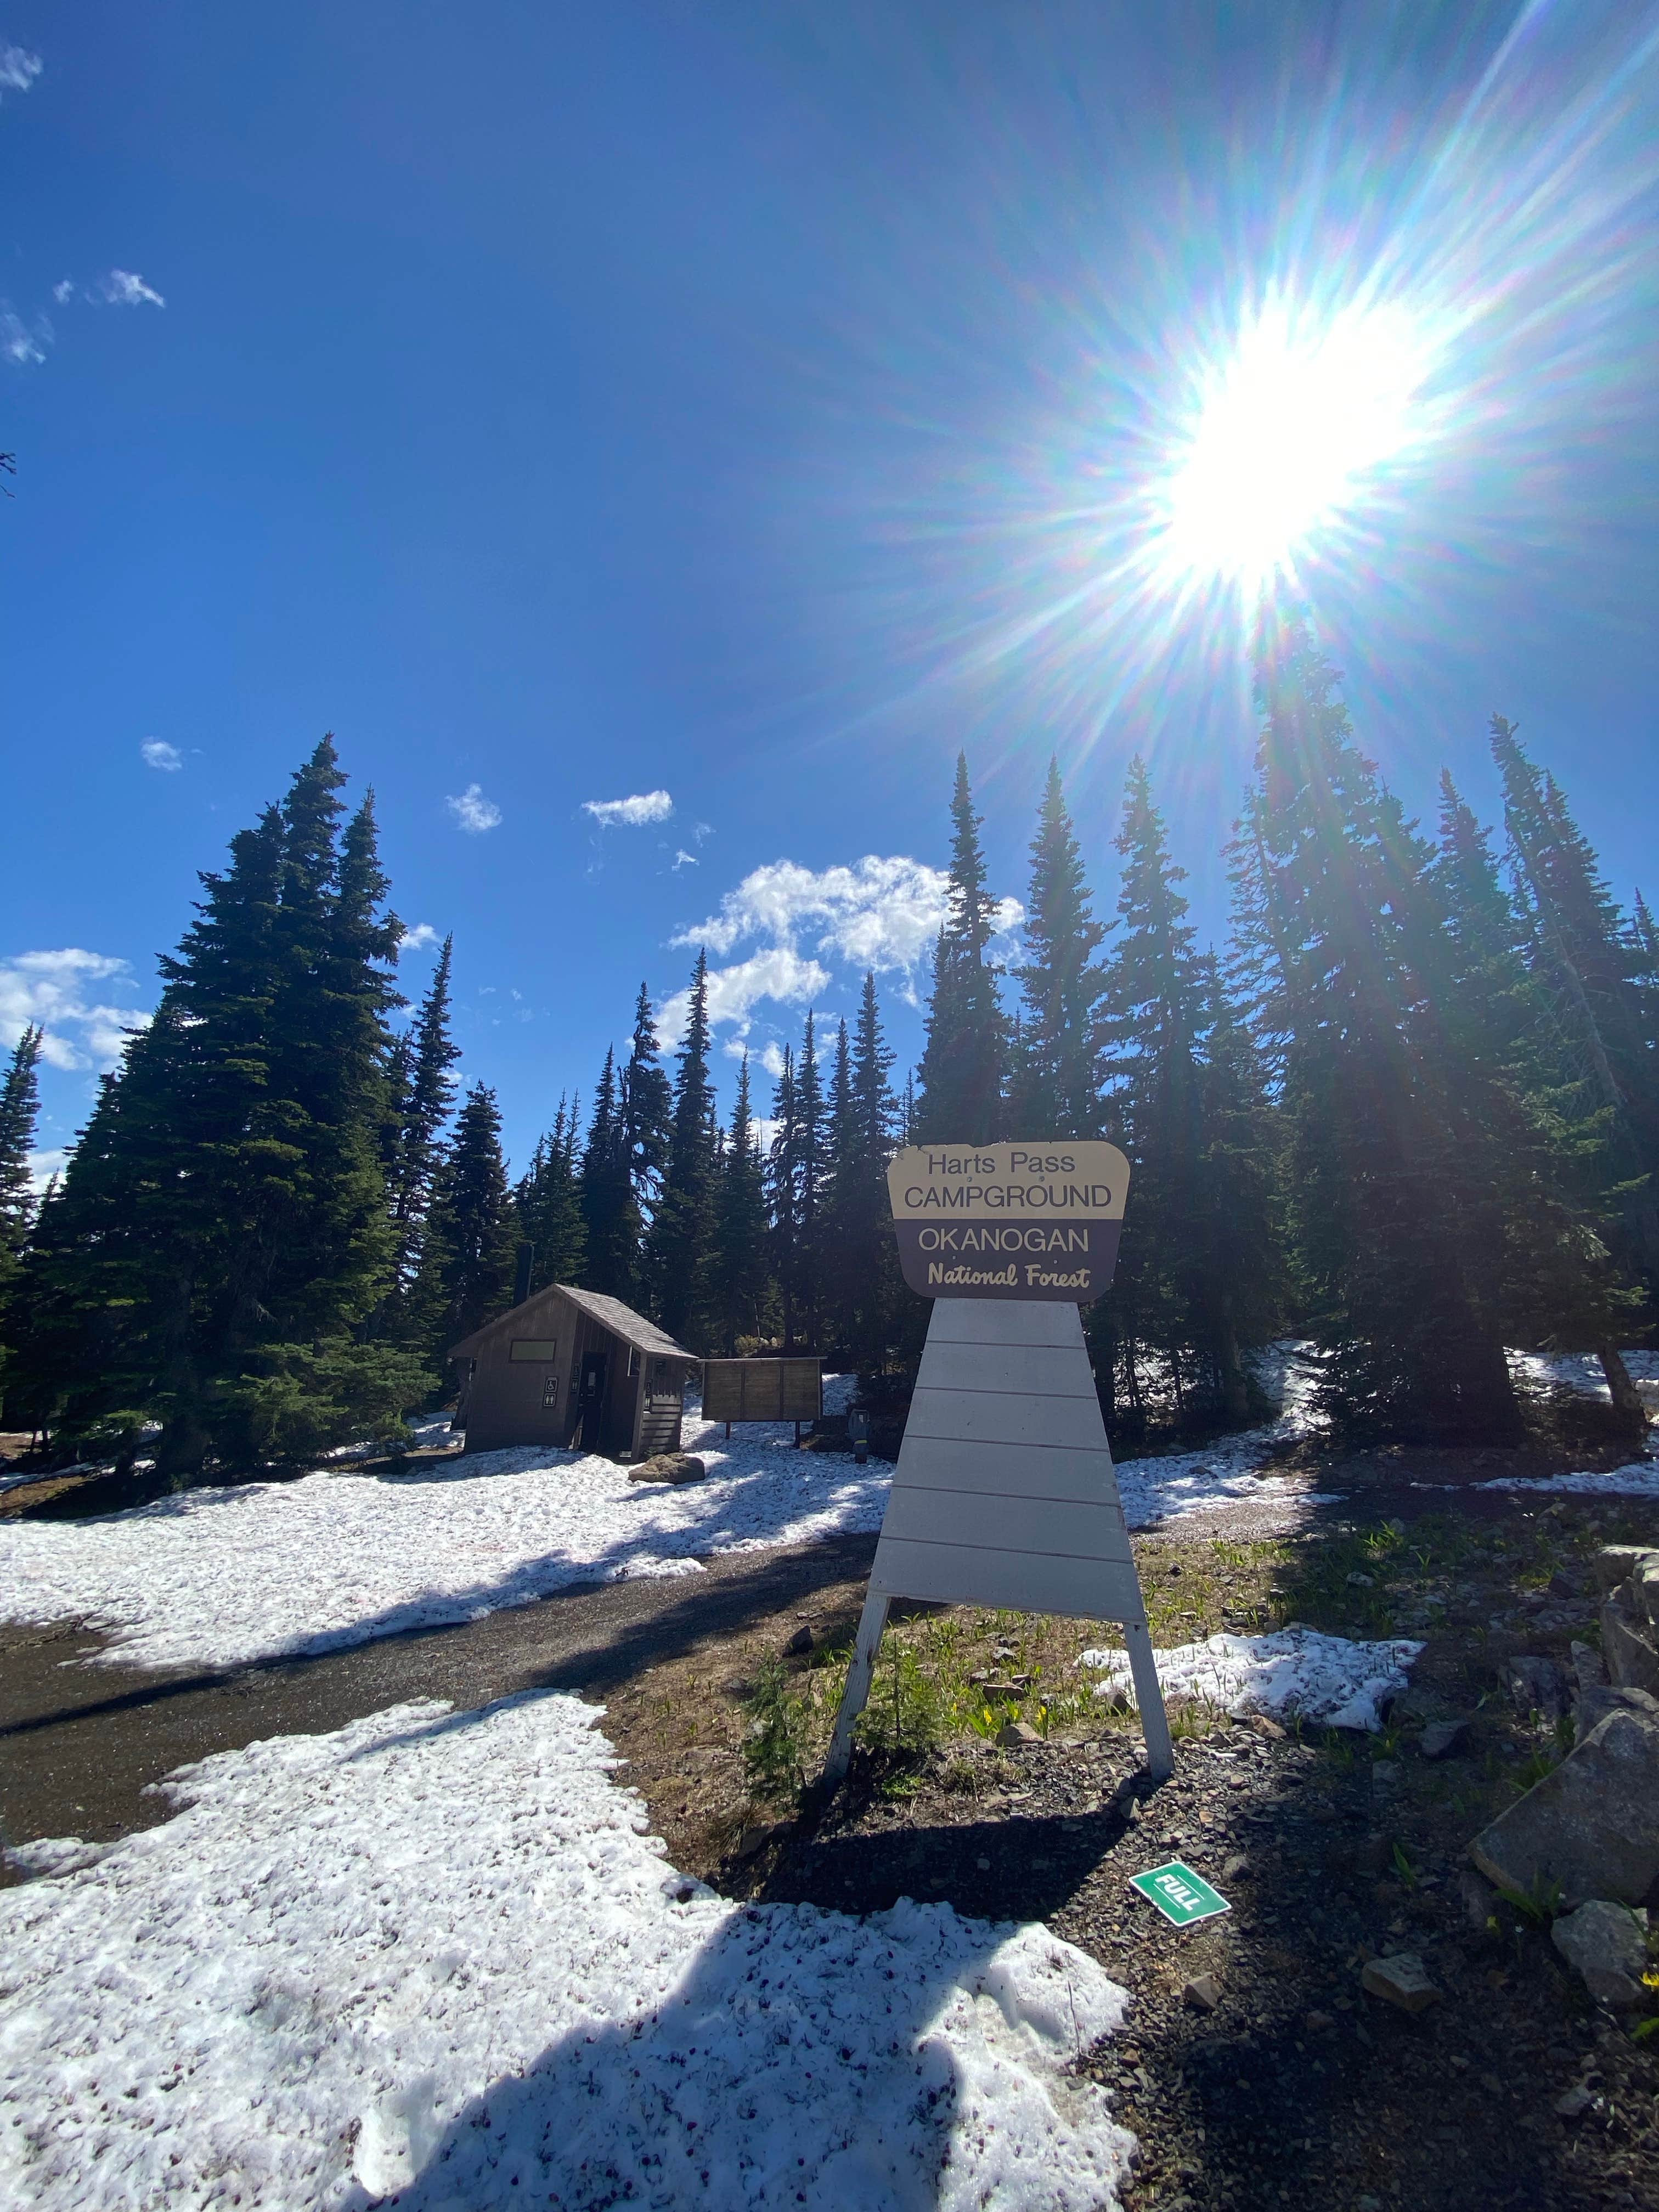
x: 19, y: 1106
x: 222, y: 1234
x: 871, y: 1286
x: 611, y: 1219
x: 741, y: 1279
x: 812, y: 1165
x: 1152, y: 1008
x: 1057, y: 1073
x: 1593, y: 966
x: 783, y: 1192
x: 1531, y: 1141
x: 646, y: 1113
x: 425, y: 1092
x: 547, y: 1204
x: 1233, y: 1266
x: 963, y: 1064
x: 682, y: 1235
x: 467, y: 1266
x: 1337, y: 920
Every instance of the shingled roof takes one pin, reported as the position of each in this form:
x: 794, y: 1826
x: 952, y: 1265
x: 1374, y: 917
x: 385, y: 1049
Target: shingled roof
x: 610, y: 1312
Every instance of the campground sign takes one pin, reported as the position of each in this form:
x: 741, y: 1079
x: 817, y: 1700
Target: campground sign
x: 1004, y: 1493
x: 1008, y: 1221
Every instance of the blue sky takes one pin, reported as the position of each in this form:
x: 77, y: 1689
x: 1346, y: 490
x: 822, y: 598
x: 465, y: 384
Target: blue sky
x: 753, y: 405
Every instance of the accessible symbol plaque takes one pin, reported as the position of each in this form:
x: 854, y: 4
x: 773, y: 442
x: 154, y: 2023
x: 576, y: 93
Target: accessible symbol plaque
x: 1009, y: 1221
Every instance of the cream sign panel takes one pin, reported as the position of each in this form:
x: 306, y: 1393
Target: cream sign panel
x: 1009, y: 1221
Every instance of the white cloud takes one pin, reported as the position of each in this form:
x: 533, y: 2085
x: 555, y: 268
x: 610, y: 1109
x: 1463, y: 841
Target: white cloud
x: 418, y: 938
x: 474, y: 812
x: 766, y: 1132
x: 52, y: 989
x: 24, y: 344
x: 158, y: 753
x: 768, y: 1056
x: 124, y: 288
x: 684, y: 859
x: 18, y: 69
x: 63, y: 291
x: 779, y: 973
x: 880, y: 913
x: 630, y: 813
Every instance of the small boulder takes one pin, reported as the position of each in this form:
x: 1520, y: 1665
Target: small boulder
x: 799, y: 1644
x: 1536, y: 1685
x: 753, y: 1841
x: 1573, y: 2104
x: 668, y: 1467
x: 1607, y: 1945
x: 1444, y: 1739
x: 1615, y: 1562
x: 1203, y: 1993
x: 1400, y: 1980
x: 1589, y: 1825
x: 1015, y: 1735
x: 1628, y: 1645
x: 1597, y: 1702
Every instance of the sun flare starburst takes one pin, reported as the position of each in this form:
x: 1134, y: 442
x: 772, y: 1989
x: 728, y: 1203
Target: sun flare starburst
x: 1291, y: 432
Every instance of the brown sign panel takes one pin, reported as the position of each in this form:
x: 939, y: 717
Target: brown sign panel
x: 1038, y: 1220
x: 763, y: 1389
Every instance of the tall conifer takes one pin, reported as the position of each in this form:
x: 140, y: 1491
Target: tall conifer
x: 681, y: 1239
x: 468, y: 1263
x: 611, y: 1218
x: 741, y: 1279
x: 961, y: 1080
x: 1057, y: 1074
x: 1337, y: 925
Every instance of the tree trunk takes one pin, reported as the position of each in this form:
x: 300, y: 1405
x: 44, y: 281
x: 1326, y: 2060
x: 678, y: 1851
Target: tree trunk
x: 1626, y: 1398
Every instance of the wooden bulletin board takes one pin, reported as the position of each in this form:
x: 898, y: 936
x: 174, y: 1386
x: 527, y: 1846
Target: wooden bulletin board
x: 763, y: 1389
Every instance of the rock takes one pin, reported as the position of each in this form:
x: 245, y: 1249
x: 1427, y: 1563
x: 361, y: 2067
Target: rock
x: 1607, y: 1946
x: 799, y: 1645
x: 1385, y: 1774
x: 1203, y: 1993
x: 1231, y: 1868
x: 1444, y: 1739
x: 1628, y: 1649
x: 1615, y: 1562
x: 1645, y: 1588
x: 668, y: 1467
x: 1596, y: 1703
x: 1016, y: 1734
x: 1536, y: 1685
x: 1400, y: 1980
x: 1591, y: 1824
x: 1264, y: 1725
x: 753, y: 1841
x: 1564, y: 1585
x: 1573, y: 2104
x: 1477, y: 1898
x: 1588, y: 1670
x: 1317, y: 2022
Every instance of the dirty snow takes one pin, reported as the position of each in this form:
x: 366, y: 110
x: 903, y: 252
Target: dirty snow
x: 1327, y: 1679
x: 225, y: 1577
x: 435, y: 1952
x: 1639, y: 1480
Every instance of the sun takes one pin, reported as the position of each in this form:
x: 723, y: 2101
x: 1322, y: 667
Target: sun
x: 1288, y: 435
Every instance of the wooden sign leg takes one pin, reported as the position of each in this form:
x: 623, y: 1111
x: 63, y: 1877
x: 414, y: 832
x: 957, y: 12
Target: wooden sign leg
x: 856, y: 1694
x: 1149, y: 1696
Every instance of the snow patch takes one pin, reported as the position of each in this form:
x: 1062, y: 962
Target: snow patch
x: 1328, y: 1679
x: 226, y: 1576
x: 1639, y: 1480
x: 436, y: 1953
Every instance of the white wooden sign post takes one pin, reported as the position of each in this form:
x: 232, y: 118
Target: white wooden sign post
x: 1004, y: 1493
